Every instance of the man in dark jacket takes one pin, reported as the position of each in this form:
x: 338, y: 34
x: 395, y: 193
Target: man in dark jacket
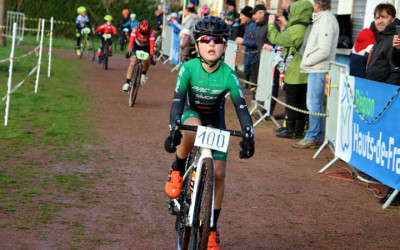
x: 249, y: 41
x: 380, y: 67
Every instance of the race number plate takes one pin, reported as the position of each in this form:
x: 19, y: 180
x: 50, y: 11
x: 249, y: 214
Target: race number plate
x: 107, y: 36
x: 212, y: 138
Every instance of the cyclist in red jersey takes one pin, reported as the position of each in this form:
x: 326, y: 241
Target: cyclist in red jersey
x: 142, y: 38
x: 106, y: 28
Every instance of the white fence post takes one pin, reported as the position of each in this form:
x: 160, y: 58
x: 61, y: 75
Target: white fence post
x: 50, y: 44
x: 40, y: 57
x: 10, y: 73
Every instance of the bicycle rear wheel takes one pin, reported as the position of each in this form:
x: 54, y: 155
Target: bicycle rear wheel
x: 89, y: 48
x: 105, y: 55
x: 203, y: 205
x: 137, y: 72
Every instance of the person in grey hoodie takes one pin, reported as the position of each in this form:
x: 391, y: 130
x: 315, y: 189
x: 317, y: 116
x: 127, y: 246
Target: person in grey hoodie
x: 189, y: 19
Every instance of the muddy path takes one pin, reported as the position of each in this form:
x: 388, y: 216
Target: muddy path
x: 275, y: 200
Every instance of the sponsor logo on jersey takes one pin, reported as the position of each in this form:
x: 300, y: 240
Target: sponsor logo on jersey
x: 216, y: 91
x: 177, y: 100
x: 181, y: 71
x: 206, y: 97
x: 200, y: 89
x: 201, y: 77
x: 178, y: 83
x: 236, y: 79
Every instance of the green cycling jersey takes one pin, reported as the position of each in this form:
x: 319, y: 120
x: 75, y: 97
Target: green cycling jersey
x: 205, y: 92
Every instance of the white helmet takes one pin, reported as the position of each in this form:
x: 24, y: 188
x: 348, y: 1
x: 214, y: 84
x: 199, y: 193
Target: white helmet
x: 133, y: 15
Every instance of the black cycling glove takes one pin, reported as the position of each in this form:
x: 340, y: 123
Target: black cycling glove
x: 128, y: 55
x: 247, y: 144
x: 153, y: 60
x: 174, y: 139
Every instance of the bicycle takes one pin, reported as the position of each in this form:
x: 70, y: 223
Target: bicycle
x: 105, y: 50
x: 194, y: 207
x: 87, y: 45
x: 123, y: 39
x: 134, y: 84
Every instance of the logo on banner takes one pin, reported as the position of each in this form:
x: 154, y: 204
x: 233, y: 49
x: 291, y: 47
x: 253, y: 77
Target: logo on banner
x: 346, y: 123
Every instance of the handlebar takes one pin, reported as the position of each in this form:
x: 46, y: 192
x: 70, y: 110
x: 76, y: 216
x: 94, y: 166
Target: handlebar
x: 194, y: 128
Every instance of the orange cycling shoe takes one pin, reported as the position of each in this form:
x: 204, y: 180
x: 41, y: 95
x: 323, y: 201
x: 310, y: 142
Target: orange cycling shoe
x: 213, y: 241
x: 173, y: 185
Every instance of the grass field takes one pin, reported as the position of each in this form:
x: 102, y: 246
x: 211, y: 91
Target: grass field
x: 44, y: 129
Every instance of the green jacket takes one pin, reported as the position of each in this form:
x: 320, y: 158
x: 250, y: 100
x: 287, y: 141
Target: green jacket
x: 292, y: 38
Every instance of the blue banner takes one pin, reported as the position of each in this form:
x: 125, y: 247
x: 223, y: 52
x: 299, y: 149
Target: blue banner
x: 368, y: 128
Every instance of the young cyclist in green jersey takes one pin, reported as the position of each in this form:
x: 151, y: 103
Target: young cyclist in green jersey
x: 199, y: 99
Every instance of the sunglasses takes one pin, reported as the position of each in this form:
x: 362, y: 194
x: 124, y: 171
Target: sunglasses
x: 230, y: 19
x: 207, y: 39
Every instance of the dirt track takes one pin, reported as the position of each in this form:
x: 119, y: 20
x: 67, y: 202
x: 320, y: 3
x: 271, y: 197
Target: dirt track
x: 274, y: 200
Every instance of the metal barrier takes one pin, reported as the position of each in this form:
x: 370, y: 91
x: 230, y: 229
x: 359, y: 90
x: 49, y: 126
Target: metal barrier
x: 230, y: 54
x: 166, y: 42
x: 19, y: 19
x: 335, y: 70
x: 264, y: 89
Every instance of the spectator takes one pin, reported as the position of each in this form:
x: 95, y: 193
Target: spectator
x: 231, y: 6
x: 184, y: 44
x: 167, y: 12
x: 173, y: 17
x: 250, y: 43
x: 360, y: 52
x: 159, y: 17
x: 202, y: 11
x: 295, y: 81
x: 379, y: 68
x: 385, y: 23
x: 232, y: 19
x: 222, y: 15
x: 285, y: 5
x: 188, y: 21
x: 319, y: 51
x: 261, y: 2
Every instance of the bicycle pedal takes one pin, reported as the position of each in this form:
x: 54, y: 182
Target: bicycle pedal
x: 172, y: 209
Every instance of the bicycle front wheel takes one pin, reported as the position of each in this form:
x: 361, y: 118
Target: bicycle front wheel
x: 203, y: 205
x: 89, y: 48
x: 137, y: 72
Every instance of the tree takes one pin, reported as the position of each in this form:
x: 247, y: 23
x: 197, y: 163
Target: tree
x: 3, y: 16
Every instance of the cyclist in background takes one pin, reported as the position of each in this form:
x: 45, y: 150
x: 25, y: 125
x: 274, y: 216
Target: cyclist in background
x: 142, y: 38
x: 81, y: 20
x: 199, y: 99
x: 125, y: 18
x: 106, y: 28
x: 132, y: 23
